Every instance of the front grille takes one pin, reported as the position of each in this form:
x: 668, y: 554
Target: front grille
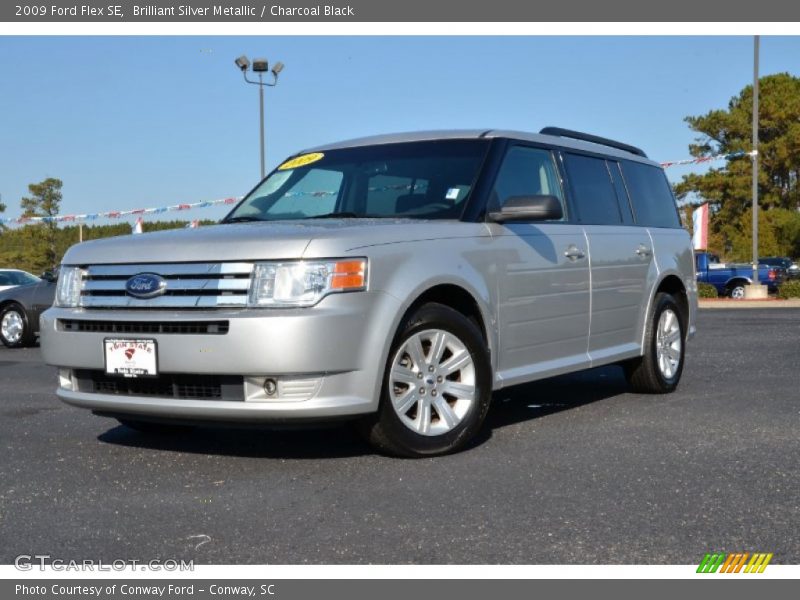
x: 180, y: 386
x: 188, y: 285
x: 167, y: 327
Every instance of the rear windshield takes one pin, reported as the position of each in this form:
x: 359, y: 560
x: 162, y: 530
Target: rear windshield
x: 426, y: 180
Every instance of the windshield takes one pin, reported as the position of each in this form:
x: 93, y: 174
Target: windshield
x: 428, y: 180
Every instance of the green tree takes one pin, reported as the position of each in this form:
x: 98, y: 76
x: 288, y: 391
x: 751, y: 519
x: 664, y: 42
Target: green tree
x: 2, y: 209
x: 728, y: 189
x: 44, y: 201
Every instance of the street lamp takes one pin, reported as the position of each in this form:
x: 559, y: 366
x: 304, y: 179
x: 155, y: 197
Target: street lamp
x: 259, y: 67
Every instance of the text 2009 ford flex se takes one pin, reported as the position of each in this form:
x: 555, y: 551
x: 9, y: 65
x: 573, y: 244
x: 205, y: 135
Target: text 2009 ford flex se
x: 396, y: 280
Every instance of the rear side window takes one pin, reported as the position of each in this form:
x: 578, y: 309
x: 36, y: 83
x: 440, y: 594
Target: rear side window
x: 653, y: 202
x: 593, y: 190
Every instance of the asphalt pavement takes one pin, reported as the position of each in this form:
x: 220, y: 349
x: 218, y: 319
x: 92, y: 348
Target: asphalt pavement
x: 572, y: 469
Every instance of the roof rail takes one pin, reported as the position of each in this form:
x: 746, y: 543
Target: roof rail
x: 595, y: 139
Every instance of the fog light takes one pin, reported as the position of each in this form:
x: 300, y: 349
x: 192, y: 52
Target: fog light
x: 270, y: 386
x: 65, y: 379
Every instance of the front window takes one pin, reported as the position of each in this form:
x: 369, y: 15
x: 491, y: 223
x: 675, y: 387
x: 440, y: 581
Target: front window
x: 17, y: 278
x: 422, y: 180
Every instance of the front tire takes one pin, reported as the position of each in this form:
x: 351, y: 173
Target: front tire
x: 15, y: 329
x: 437, y: 386
x: 661, y: 367
x: 737, y: 291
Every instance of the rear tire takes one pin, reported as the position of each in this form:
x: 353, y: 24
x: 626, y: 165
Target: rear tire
x: 15, y: 328
x: 437, y: 386
x: 661, y: 367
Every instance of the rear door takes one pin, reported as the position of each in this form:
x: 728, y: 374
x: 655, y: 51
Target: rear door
x: 542, y: 275
x: 621, y: 256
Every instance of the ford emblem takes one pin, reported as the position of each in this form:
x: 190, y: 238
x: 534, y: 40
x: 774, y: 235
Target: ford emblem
x: 146, y: 285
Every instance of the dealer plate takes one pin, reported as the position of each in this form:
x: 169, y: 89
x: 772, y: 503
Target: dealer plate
x: 131, y: 358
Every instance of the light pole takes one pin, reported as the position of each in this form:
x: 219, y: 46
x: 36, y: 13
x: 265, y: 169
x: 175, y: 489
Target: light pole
x: 755, y: 289
x: 260, y: 66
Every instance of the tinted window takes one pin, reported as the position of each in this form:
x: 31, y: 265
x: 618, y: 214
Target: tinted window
x: 23, y: 278
x: 593, y: 190
x: 526, y: 172
x: 653, y: 202
x: 622, y: 193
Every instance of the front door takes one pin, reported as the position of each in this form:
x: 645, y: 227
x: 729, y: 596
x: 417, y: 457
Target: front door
x: 542, y: 276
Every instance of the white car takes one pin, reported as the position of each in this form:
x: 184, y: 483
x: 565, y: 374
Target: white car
x: 10, y: 278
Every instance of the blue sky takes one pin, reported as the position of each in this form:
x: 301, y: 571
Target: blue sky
x: 134, y: 122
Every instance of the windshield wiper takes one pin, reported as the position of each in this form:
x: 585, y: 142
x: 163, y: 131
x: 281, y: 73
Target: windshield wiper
x: 337, y: 215
x: 241, y: 219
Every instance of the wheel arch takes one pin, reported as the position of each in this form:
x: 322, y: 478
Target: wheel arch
x: 737, y: 279
x: 671, y: 283
x: 456, y: 297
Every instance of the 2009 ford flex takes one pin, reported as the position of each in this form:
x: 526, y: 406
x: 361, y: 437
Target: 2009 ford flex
x: 395, y: 280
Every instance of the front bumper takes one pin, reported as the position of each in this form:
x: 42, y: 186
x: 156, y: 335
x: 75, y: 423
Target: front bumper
x: 328, y: 360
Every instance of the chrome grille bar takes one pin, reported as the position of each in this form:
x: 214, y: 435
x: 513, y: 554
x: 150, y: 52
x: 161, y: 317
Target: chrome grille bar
x: 189, y: 285
x: 171, y: 270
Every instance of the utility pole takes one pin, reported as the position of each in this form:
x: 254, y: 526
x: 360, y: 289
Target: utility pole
x: 755, y: 289
x: 755, y: 158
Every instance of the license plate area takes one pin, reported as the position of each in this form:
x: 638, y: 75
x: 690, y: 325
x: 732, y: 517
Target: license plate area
x: 128, y: 357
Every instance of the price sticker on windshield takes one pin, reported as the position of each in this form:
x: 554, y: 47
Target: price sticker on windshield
x: 301, y: 161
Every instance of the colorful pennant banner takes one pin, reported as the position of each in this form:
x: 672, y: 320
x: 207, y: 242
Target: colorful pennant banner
x: 117, y: 214
x: 705, y: 159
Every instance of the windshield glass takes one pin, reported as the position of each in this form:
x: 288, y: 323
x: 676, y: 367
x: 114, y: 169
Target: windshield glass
x: 429, y: 180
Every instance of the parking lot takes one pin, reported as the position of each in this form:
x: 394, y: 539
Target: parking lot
x: 570, y: 470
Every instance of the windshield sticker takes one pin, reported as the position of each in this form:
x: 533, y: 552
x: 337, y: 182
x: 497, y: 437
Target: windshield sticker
x: 301, y: 161
x: 452, y: 194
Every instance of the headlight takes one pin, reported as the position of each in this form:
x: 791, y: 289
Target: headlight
x: 305, y: 283
x: 68, y: 289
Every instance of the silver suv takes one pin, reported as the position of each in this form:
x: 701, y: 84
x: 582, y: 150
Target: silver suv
x: 393, y: 280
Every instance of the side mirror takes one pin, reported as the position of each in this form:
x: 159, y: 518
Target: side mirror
x: 48, y: 276
x: 528, y: 208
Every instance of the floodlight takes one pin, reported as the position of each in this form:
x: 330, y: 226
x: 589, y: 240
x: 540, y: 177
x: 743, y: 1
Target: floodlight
x: 260, y: 65
x: 242, y: 62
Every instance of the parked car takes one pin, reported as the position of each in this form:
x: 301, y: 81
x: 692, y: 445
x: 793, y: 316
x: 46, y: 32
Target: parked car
x: 783, y: 262
x: 396, y: 280
x: 10, y: 278
x: 731, y: 279
x: 20, y: 308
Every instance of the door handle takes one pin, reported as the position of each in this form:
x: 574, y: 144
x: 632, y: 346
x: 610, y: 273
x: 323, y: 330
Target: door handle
x: 574, y: 253
x: 643, y: 250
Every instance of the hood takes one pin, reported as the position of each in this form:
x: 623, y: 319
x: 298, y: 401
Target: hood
x: 261, y: 241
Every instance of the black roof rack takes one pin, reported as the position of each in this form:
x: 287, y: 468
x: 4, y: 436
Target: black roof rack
x: 595, y: 139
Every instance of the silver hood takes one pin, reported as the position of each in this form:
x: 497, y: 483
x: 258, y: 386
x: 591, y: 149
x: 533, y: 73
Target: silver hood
x: 263, y: 241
